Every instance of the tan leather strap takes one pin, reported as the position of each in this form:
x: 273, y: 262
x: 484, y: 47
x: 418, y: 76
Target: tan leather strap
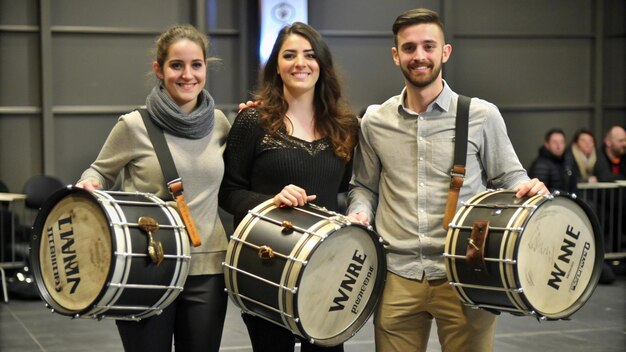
x: 457, y: 173
x: 456, y: 182
x: 476, y: 245
x: 176, y: 189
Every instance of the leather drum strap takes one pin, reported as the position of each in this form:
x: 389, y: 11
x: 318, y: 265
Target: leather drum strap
x: 176, y: 189
x: 457, y: 173
x: 170, y: 174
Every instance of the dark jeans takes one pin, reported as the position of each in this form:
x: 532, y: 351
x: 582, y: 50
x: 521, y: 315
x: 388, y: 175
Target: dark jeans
x: 195, y: 320
x: 269, y: 337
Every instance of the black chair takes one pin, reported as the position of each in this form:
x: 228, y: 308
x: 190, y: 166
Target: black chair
x: 3, y: 187
x: 38, y: 188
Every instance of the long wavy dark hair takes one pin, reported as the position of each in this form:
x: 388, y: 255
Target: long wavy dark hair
x: 333, y: 119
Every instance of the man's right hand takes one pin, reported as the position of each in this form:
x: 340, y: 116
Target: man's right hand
x: 359, y: 217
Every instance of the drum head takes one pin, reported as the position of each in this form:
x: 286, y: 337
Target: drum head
x: 556, y: 256
x: 73, y: 251
x: 340, y: 285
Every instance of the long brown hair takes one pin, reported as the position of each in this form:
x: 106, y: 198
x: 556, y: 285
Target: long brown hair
x: 332, y: 118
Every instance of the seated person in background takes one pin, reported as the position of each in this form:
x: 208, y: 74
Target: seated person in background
x: 551, y: 167
x: 582, y: 155
x: 611, y: 163
x: 611, y: 166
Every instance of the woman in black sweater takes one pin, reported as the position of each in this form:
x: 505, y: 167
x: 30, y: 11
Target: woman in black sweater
x: 295, y: 147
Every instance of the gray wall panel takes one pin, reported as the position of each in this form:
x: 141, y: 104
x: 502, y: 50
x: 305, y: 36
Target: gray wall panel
x: 614, y: 117
x: 78, y: 142
x: 615, y: 68
x: 527, y: 16
x: 369, y: 74
x: 101, y: 69
x: 223, y: 76
x: 525, y: 71
x: 614, y: 21
x: 222, y: 14
x: 19, y: 69
x: 22, y: 12
x: 20, y: 149
x: 370, y: 15
x: 119, y: 13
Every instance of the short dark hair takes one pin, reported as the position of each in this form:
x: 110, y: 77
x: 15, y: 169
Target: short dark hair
x: 580, y: 132
x: 551, y: 132
x: 415, y: 16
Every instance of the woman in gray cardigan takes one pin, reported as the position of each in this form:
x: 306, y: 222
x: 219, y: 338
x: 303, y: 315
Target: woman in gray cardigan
x: 195, y: 133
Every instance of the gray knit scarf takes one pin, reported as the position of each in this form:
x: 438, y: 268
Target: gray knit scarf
x: 168, y: 115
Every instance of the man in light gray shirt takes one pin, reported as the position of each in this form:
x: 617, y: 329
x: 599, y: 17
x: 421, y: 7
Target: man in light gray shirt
x: 400, y: 184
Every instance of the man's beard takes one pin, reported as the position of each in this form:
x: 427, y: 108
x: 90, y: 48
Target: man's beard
x: 423, y: 81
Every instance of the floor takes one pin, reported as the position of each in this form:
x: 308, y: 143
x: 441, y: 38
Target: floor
x: 600, y: 325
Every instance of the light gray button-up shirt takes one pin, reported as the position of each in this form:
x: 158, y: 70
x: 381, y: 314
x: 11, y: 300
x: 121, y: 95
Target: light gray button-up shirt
x: 402, y: 174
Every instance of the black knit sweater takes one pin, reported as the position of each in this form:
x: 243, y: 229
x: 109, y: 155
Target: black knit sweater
x: 258, y: 165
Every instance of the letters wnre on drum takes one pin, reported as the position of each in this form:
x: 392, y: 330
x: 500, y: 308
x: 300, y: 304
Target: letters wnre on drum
x: 567, y: 248
x: 68, y: 253
x: 347, y: 285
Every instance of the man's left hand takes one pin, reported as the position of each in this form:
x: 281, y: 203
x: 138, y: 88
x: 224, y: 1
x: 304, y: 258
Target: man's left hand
x: 530, y: 188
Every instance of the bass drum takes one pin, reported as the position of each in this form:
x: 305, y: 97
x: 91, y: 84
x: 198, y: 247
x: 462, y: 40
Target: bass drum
x: 306, y: 269
x: 93, y: 257
x: 539, y: 256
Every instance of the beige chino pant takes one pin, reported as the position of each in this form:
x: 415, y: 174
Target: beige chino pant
x: 407, y: 307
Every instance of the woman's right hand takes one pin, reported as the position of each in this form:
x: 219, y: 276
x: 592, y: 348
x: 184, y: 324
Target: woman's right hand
x: 293, y: 195
x: 248, y: 104
x: 89, y: 184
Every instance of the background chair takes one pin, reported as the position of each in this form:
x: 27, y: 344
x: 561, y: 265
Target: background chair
x: 3, y: 187
x: 20, y: 281
x: 38, y: 188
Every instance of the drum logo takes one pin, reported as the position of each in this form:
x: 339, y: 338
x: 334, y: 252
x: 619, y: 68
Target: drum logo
x: 567, y: 249
x: 347, y: 285
x: 68, y: 252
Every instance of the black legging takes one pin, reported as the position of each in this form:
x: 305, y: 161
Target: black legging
x: 269, y: 337
x: 195, y: 320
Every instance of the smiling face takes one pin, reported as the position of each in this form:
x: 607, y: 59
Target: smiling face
x: 183, y: 73
x: 420, y: 53
x: 297, y: 65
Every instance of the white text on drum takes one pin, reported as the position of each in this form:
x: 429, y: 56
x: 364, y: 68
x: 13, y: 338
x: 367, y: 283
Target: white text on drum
x: 70, y: 262
x: 352, y: 274
x: 567, y: 250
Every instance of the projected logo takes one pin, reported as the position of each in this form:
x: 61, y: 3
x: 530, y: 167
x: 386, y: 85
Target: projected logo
x: 275, y: 14
x: 284, y: 12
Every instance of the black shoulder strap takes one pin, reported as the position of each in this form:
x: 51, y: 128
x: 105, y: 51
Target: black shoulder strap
x: 160, y: 147
x: 462, y: 121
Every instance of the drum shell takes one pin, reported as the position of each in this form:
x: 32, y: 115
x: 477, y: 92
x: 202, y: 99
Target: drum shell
x: 126, y: 285
x: 262, y: 287
x: 513, y: 286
